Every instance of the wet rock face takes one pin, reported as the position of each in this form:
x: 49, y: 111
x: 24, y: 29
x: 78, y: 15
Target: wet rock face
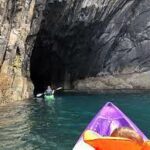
x: 19, y: 24
x: 77, y: 39
x: 92, y: 38
x: 134, y: 81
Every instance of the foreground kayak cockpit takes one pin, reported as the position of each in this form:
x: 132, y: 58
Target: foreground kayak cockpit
x: 112, y: 143
x: 106, y: 120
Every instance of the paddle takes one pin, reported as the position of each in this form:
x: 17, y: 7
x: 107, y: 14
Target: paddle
x: 53, y: 91
x: 56, y: 90
x: 39, y: 95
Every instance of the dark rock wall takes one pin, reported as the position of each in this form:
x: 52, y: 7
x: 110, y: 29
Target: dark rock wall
x: 77, y: 39
x: 91, y: 38
x: 19, y: 24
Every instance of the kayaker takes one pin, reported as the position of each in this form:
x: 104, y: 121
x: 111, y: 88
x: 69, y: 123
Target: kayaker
x: 48, y: 91
x: 128, y: 133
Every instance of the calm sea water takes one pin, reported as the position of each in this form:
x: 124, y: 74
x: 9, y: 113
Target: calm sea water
x: 29, y: 125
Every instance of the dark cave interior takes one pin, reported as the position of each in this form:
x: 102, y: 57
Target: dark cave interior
x: 46, y: 65
x: 46, y: 69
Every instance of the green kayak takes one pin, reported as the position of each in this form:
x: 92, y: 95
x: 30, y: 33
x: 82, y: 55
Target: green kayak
x: 49, y: 97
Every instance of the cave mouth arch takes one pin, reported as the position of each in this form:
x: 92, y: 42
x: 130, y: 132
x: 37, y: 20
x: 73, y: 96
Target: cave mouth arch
x: 64, y: 50
x: 47, y: 66
x: 46, y: 69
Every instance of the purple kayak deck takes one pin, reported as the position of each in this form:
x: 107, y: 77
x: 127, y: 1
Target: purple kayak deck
x: 106, y: 120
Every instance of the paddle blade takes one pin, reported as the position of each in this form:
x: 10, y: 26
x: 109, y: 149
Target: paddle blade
x: 58, y: 88
x: 39, y: 95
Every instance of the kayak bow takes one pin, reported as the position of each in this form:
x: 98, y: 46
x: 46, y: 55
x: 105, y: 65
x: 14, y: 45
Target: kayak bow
x: 106, y: 120
x: 49, y: 97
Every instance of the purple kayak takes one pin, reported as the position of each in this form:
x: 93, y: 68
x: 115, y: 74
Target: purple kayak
x: 107, y: 119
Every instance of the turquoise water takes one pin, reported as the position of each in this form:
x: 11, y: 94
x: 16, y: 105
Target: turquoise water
x: 29, y: 125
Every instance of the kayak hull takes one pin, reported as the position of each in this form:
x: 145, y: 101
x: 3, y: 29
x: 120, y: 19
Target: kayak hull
x: 48, y: 97
x: 106, y: 120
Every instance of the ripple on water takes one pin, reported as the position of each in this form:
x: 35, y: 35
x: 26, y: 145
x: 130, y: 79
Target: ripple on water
x: 57, y: 126
x: 14, y: 125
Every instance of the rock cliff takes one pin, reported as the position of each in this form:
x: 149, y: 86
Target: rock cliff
x: 72, y: 41
x: 19, y: 24
x: 94, y: 38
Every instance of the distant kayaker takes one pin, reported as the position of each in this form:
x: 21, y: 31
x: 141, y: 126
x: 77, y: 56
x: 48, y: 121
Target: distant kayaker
x: 49, y: 91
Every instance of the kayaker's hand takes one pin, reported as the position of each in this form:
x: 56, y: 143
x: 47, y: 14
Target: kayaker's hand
x: 53, y: 91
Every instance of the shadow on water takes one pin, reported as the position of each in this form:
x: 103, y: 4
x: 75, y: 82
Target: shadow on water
x: 57, y: 125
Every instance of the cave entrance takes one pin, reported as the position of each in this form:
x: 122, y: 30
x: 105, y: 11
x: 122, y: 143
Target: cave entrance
x: 47, y: 60
x: 46, y: 69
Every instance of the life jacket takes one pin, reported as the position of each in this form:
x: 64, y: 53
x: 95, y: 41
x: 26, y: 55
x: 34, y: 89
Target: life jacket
x: 112, y: 143
x: 146, y: 145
